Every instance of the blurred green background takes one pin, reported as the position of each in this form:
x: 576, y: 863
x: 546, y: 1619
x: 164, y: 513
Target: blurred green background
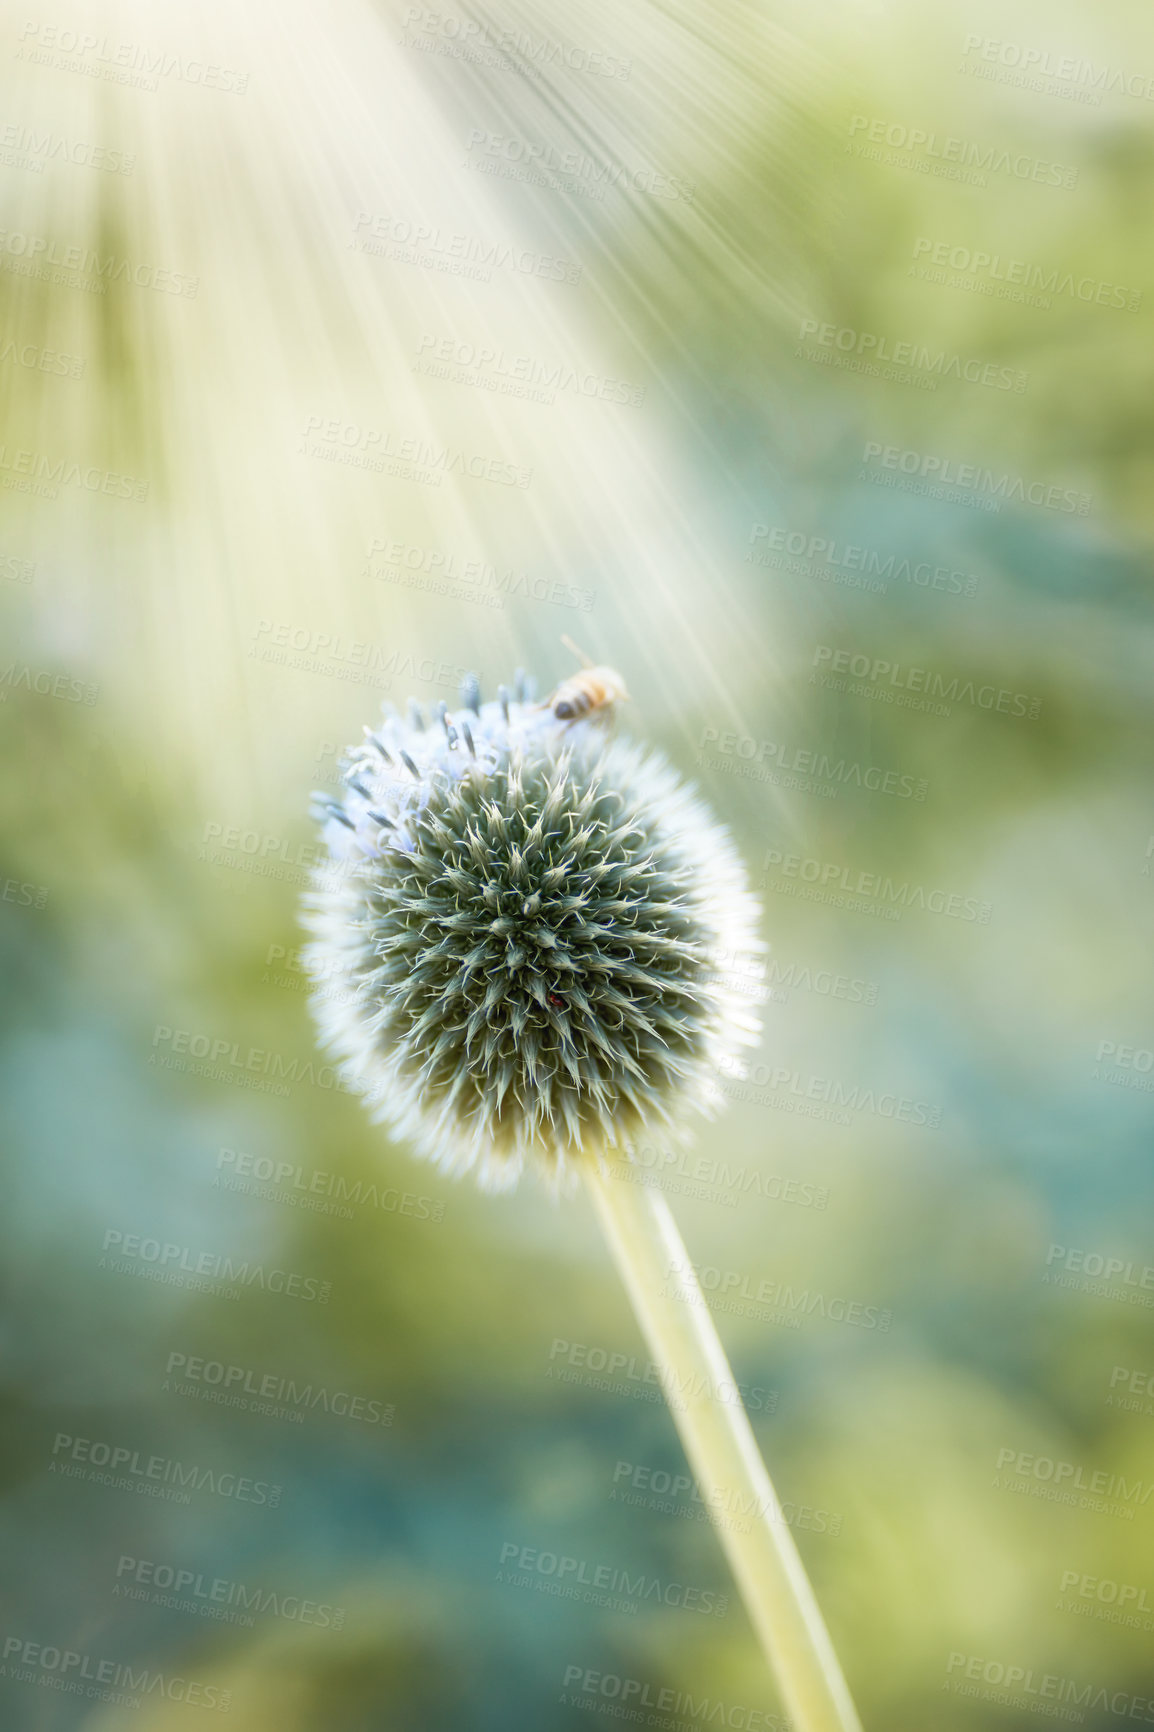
x: 369, y: 269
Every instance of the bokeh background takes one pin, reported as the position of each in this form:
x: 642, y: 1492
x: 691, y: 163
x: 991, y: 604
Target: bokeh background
x: 344, y: 348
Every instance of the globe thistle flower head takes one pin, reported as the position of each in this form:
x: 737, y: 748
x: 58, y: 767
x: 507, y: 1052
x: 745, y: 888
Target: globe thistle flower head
x: 525, y: 916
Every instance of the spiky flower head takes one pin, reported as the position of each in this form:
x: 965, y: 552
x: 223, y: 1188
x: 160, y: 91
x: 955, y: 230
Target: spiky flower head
x: 521, y: 935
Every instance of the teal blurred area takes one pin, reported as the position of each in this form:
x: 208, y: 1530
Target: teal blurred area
x: 794, y: 361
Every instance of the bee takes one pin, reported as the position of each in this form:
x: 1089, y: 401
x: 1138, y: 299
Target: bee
x: 584, y: 693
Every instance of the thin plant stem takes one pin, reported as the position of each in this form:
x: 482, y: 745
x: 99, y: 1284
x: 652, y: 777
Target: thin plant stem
x: 719, y: 1443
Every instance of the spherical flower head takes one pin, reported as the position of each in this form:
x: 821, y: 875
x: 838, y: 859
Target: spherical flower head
x: 521, y: 937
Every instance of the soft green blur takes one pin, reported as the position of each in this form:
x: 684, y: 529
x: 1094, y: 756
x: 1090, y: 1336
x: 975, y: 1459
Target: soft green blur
x: 189, y: 664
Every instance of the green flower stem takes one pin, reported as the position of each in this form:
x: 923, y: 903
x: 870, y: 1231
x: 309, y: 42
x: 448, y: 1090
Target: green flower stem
x: 670, y: 1308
